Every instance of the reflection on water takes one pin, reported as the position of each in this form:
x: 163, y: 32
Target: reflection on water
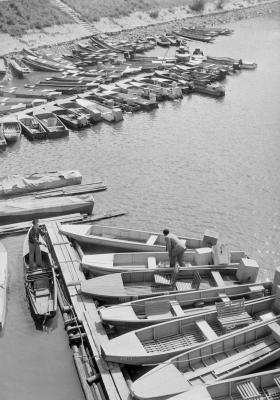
x: 190, y: 165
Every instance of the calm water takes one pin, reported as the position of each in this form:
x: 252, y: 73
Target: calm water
x: 190, y: 165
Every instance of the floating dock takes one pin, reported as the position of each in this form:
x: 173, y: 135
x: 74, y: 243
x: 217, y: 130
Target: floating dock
x: 99, y: 379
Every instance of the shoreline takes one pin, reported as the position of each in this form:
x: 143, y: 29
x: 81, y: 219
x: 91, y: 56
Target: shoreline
x: 60, y: 36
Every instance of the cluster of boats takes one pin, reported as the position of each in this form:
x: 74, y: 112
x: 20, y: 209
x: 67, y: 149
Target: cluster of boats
x: 196, y: 335
x: 123, y: 80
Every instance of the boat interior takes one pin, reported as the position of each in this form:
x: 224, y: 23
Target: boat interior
x: 31, y: 124
x: 221, y: 359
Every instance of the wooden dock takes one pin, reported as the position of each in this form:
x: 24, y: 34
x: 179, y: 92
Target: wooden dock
x: 113, y: 382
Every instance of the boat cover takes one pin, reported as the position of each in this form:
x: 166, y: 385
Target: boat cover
x: 28, y: 208
x: 21, y: 184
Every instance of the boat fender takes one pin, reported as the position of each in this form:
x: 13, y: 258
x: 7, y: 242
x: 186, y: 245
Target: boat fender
x: 199, y: 304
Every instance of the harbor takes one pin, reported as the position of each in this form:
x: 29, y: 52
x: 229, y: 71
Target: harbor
x: 193, y: 164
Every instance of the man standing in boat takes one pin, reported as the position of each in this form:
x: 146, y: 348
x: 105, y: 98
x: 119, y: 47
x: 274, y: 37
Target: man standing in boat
x: 35, y: 256
x: 175, y: 247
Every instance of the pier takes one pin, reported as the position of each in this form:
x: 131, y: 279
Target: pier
x: 98, y: 377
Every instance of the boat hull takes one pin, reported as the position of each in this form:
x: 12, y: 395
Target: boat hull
x: 3, y: 284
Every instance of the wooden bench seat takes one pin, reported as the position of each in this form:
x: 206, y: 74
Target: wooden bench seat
x: 224, y: 297
x: 179, y: 312
x: 152, y: 239
x: 162, y: 279
x: 217, y: 278
x: 206, y: 329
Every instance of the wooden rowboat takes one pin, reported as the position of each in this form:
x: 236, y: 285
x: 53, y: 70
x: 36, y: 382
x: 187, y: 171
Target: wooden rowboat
x: 40, y: 283
x: 260, y: 386
x: 142, y: 284
x: 32, y: 128
x: 11, y: 129
x: 129, y: 239
x: 232, y: 355
x: 3, y: 284
x: 137, y: 313
x: 70, y: 119
x: 18, y: 68
x: 102, y: 264
x: 54, y: 127
x: 157, y: 343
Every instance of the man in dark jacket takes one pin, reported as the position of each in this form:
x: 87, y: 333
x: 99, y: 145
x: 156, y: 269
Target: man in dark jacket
x: 35, y: 256
x: 175, y: 247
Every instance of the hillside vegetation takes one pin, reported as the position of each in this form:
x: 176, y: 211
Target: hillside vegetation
x: 17, y: 16
x: 93, y: 10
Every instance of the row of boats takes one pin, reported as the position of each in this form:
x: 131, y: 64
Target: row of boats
x: 195, y: 337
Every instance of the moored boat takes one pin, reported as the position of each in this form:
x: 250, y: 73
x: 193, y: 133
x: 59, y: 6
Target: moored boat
x: 102, y: 264
x: 130, y: 239
x: 163, y: 41
x: 27, y: 208
x: 90, y: 108
x: 258, y: 386
x: 157, y: 343
x: 232, y: 355
x: 32, y: 128
x: 142, y: 284
x: 15, y: 185
x: 70, y: 119
x: 54, y: 127
x: 3, y: 284
x: 11, y: 129
x: 18, y: 68
x: 40, y: 283
x: 2, y: 68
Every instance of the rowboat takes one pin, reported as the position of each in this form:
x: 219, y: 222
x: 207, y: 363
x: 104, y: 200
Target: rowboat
x: 163, y: 41
x: 231, y: 61
x: 129, y: 239
x: 141, y: 284
x: 75, y: 108
x: 11, y: 129
x: 209, y: 89
x: 68, y: 118
x: 54, y: 127
x: 136, y: 314
x: 27, y: 208
x: 3, y: 284
x: 40, y: 283
x: 90, y: 108
x: 32, y: 128
x: 102, y: 264
x: 157, y: 343
x: 15, y: 185
x: 231, y: 355
x: 260, y: 386
x: 18, y: 68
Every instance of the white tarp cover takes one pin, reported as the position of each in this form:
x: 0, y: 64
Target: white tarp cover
x: 21, y: 184
x: 37, y: 207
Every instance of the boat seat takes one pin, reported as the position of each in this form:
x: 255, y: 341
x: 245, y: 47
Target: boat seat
x: 152, y: 239
x: 224, y: 297
x: 154, y: 309
x: 42, y: 292
x: 217, y: 278
x: 152, y: 262
x: 276, y: 379
x: 248, y: 390
x: 194, y: 285
x: 275, y: 328
x: 51, y: 121
x: 179, y: 312
x: 232, y: 313
x: 206, y: 329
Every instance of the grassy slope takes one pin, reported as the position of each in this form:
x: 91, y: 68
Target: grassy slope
x: 17, y: 16
x: 93, y: 10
